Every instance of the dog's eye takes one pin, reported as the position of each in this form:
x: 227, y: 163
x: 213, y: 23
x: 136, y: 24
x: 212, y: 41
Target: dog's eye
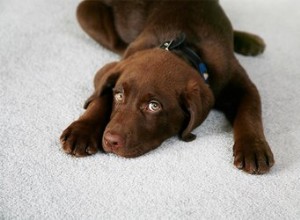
x: 154, y: 106
x: 119, y: 97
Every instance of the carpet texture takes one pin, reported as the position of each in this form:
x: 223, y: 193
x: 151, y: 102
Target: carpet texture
x: 47, y: 64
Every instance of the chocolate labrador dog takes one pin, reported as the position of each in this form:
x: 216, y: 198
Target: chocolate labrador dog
x: 177, y: 64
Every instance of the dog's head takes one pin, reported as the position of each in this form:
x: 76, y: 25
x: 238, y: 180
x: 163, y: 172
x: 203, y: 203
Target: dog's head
x: 155, y: 95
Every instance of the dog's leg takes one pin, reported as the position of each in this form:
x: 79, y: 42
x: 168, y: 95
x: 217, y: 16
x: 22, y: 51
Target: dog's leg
x: 83, y: 137
x: 248, y: 44
x: 241, y: 103
x: 97, y: 20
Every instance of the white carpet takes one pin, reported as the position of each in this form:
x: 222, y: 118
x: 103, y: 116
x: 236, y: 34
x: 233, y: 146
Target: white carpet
x: 47, y: 64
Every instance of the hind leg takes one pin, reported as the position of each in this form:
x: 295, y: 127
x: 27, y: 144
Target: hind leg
x: 248, y: 44
x: 97, y: 20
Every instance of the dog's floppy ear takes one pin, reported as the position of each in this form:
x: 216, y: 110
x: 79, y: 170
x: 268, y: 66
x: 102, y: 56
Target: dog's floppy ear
x: 198, y: 101
x: 104, y: 82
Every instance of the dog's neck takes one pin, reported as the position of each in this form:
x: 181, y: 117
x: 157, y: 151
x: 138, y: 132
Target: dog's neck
x: 179, y: 47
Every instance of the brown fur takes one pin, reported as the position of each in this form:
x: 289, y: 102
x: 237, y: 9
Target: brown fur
x: 153, y: 94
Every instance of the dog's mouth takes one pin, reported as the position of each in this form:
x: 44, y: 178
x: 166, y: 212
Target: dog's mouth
x: 127, y: 152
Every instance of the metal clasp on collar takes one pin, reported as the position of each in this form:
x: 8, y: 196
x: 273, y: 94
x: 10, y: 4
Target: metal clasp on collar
x: 166, y: 45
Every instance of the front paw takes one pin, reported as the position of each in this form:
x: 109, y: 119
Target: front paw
x: 253, y: 156
x: 81, y: 138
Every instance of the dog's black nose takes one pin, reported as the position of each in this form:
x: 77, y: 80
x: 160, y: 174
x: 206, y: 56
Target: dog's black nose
x: 114, y: 140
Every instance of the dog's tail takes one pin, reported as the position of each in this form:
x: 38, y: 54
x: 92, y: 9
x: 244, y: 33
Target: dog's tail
x: 248, y: 44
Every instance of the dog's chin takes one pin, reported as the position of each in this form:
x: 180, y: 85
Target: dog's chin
x: 126, y: 152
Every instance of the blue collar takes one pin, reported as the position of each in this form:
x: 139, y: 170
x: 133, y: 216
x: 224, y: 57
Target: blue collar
x: 178, y: 44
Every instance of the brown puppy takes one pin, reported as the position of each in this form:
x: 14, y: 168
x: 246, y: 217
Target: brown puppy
x: 156, y: 92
